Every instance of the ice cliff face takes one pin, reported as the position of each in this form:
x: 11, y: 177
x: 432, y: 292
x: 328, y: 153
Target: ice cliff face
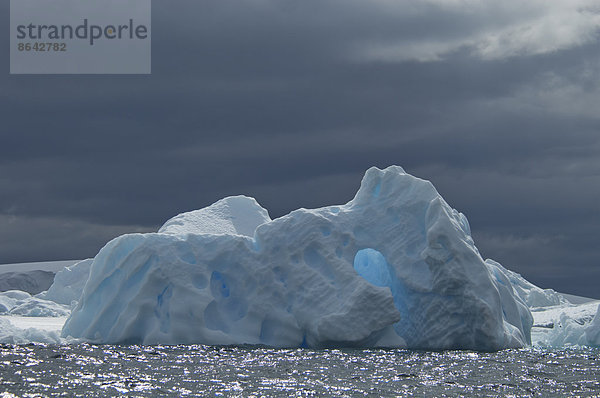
x: 396, y: 266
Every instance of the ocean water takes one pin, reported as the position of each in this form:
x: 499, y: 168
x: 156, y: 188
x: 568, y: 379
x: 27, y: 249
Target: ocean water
x: 180, y: 371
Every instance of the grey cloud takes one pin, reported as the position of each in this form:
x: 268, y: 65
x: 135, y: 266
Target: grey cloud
x: 269, y: 99
x: 27, y: 239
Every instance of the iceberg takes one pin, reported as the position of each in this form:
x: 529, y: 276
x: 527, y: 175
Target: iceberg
x: 11, y: 334
x: 394, y: 267
x: 560, y: 320
x: 531, y: 295
x: 592, y: 332
x: 566, y: 325
x: 68, y: 283
x: 32, y: 282
x: 16, y: 302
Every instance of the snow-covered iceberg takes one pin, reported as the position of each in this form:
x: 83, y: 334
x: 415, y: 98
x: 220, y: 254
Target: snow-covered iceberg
x: 396, y: 266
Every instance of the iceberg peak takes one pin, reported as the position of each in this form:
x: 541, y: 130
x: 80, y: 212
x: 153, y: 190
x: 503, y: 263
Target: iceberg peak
x: 233, y: 215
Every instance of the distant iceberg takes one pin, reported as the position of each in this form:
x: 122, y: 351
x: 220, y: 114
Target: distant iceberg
x: 32, y: 282
x: 394, y: 267
x: 17, y: 302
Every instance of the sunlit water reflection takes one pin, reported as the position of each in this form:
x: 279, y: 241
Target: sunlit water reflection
x: 101, y: 370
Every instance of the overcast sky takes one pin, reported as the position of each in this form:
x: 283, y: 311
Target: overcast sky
x: 497, y: 103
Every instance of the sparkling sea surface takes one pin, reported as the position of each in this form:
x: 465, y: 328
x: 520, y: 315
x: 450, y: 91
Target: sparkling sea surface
x: 148, y: 371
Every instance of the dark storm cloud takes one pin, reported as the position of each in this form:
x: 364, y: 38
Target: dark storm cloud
x: 291, y: 101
